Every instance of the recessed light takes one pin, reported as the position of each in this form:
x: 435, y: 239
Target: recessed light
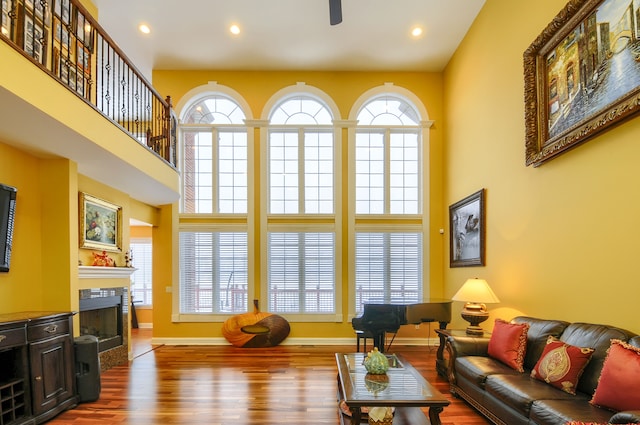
x: 416, y: 31
x: 144, y: 28
x: 234, y: 29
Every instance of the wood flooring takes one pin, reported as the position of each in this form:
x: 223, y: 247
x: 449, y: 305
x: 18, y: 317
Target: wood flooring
x: 224, y: 385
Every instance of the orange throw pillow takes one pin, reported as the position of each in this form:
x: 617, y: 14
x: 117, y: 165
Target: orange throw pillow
x: 618, y: 384
x: 561, y: 364
x: 508, y: 343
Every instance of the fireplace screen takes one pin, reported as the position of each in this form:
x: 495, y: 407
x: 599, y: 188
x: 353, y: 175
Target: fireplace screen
x: 102, y: 318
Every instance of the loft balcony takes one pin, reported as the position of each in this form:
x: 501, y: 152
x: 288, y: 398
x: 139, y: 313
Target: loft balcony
x: 67, y: 90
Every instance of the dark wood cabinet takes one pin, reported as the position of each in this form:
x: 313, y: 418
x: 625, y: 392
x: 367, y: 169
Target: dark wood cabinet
x: 38, y: 374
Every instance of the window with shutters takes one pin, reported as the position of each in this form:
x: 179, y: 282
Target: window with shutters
x: 141, y: 279
x: 214, y: 211
x: 301, y: 236
x: 387, y: 217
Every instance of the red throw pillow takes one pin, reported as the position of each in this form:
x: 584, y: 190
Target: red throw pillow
x: 618, y: 384
x: 561, y: 364
x: 508, y: 343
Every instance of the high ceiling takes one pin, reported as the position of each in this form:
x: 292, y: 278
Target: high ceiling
x: 288, y: 34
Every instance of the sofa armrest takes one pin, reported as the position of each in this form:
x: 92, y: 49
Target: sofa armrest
x: 468, y: 346
x: 626, y: 417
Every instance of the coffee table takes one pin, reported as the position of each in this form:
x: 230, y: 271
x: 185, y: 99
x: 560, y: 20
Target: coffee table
x: 407, y: 391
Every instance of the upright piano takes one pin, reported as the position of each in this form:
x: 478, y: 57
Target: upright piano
x: 378, y: 319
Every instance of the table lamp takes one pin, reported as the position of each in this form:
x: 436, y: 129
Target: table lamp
x: 475, y: 293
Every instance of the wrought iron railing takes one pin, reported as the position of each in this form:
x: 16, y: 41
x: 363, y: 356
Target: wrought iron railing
x: 64, y: 40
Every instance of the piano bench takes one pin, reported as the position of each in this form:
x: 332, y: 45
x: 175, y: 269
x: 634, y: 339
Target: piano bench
x: 362, y: 335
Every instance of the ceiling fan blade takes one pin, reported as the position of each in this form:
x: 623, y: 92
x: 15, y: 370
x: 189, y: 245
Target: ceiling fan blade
x: 335, y: 11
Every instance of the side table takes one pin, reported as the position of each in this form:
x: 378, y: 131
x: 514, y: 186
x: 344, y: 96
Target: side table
x: 444, y: 354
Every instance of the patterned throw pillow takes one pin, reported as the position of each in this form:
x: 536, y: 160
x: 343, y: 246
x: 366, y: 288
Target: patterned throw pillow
x: 561, y: 364
x: 618, y: 384
x: 508, y: 343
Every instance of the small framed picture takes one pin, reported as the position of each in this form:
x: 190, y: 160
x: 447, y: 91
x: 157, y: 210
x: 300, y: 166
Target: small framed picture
x: 467, y: 231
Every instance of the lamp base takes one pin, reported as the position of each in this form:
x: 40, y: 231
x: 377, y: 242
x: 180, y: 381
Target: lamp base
x: 475, y: 314
x: 475, y: 331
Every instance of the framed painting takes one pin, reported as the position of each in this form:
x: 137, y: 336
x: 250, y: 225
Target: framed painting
x: 581, y: 76
x: 100, y: 224
x: 467, y: 231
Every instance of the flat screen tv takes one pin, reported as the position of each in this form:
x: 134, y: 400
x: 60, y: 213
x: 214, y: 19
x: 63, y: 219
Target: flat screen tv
x: 7, y: 216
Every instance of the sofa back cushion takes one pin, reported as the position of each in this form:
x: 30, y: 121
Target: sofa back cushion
x: 635, y: 341
x: 597, y: 337
x: 539, y: 331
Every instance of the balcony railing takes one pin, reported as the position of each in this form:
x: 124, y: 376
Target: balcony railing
x: 63, y: 39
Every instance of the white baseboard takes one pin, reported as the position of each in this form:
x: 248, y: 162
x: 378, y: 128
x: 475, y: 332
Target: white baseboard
x: 145, y: 325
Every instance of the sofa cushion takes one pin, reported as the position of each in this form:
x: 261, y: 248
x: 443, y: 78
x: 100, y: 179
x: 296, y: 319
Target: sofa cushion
x: 539, y: 331
x: 561, y: 364
x: 618, y: 385
x: 477, y: 368
x: 555, y: 412
x: 508, y: 343
x: 597, y: 337
x: 520, y: 391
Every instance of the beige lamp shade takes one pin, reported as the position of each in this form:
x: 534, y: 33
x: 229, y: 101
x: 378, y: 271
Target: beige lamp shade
x: 475, y: 293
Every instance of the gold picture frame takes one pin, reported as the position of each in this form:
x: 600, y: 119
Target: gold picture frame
x: 581, y: 76
x: 100, y: 224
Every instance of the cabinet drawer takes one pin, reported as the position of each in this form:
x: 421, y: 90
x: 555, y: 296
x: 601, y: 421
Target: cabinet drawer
x: 12, y: 337
x: 47, y: 330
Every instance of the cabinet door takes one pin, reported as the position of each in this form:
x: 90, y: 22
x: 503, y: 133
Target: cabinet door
x: 52, y: 373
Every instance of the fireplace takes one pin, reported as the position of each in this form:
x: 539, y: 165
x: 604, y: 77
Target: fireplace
x: 104, y: 314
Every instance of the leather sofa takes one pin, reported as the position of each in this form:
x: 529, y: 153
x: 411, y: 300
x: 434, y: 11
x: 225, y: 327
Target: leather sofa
x: 508, y: 397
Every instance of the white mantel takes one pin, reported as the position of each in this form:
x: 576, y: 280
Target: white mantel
x: 99, y: 272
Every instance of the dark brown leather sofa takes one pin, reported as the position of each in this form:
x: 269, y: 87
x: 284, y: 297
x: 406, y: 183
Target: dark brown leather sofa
x: 508, y: 397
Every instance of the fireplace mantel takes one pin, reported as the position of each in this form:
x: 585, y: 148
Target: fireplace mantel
x: 99, y: 272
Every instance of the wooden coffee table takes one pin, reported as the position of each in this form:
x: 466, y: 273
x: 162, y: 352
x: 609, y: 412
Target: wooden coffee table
x: 407, y: 391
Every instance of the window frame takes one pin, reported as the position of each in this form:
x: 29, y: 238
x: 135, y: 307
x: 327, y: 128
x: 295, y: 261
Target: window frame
x: 222, y: 222
x: 389, y: 222
x: 301, y: 222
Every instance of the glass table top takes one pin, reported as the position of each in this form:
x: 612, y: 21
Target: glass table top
x: 401, y: 385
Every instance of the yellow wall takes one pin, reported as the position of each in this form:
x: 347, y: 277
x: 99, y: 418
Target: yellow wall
x: 21, y: 288
x: 561, y: 238
x: 344, y: 88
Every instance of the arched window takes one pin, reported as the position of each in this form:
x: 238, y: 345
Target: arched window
x: 214, y: 164
x: 300, y: 232
x: 388, y: 222
x: 301, y: 157
x: 214, y: 157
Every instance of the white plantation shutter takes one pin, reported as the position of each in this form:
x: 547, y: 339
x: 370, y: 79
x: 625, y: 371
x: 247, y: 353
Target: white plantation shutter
x: 301, y: 272
x: 213, y: 272
x: 141, y: 279
x: 388, y: 268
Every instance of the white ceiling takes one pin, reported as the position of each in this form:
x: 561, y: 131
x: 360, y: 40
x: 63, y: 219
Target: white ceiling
x: 288, y: 34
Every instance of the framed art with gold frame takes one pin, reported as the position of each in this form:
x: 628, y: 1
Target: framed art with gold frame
x: 100, y: 224
x: 581, y: 76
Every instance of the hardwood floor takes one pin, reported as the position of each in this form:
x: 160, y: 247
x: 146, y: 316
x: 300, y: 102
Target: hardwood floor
x: 227, y: 385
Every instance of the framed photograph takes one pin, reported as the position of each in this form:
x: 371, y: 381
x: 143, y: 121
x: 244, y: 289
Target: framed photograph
x: 100, y: 224
x: 581, y: 76
x: 83, y: 58
x: 33, y: 39
x: 467, y: 231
